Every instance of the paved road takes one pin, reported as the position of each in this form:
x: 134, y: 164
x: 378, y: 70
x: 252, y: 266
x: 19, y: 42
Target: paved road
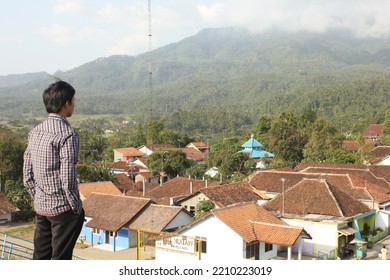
x: 372, y: 254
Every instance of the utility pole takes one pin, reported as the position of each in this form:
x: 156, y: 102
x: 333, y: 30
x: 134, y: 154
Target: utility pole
x: 283, y: 180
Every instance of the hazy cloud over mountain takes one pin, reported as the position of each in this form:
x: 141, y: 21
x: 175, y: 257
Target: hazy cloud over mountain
x: 49, y: 35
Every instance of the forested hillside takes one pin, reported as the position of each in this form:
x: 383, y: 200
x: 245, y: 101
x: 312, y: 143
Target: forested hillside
x: 224, y: 79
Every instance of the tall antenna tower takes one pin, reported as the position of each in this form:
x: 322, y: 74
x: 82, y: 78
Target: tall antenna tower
x: 150, y: 60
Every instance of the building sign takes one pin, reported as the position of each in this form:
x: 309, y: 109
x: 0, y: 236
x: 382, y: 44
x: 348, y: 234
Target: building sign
x: 177, y: 243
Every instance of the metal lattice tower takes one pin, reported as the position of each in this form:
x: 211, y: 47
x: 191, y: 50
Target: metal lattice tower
x: 150, y: 60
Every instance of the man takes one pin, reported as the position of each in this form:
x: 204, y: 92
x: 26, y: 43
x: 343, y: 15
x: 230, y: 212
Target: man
x: 50, y: 176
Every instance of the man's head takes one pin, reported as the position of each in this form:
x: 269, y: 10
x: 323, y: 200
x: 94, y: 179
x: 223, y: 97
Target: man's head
x: 57, y: 96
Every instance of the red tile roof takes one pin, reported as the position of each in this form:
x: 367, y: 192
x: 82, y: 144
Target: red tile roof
x: 179, y: 186
x: 353, y: 146
x: 193, y: 154
x: 378, y: 194
x: 316, y: 196
x: 359, y: 177
x: 303, y: 166
x: 381, y: 171
x: 225, y: 195
x: 124, y: 183
x: 249, y: 220
x: 373, y: 130
x: 380, y: 153
x: 278, y: 234
x: 6, y: 207
x: 199, y: 145
x: 154, y: 147
x: 156, y: 217
x: 270, y: 181
x: 111, y: 212
x: 130, y: 152
x: 106, y: 187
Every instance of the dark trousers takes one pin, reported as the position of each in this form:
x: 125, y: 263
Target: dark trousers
x: 55, y: 237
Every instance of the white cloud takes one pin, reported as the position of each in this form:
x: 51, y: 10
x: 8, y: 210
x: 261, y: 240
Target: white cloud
x: 65, y: 36
x: 133, y: 44
x: 67, y: 6
x: 212, y: 14
x: 109, y: 13
x: 364, y: 18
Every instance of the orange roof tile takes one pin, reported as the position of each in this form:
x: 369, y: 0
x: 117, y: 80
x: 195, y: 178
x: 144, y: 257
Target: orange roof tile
x: 130, y: 152
x: 6, y: 207
x: 239, y: 218
x: 193, y: 154
x: 106, y: 187
x: 199, y: 145
x: 316, y: 196
x: 156, y: 217
x: 154, y: 147
x: 270, y: 181
x: 283, y: 235
x: 179, y: 186
x: 225, y: 195
x: 373, y: 130
x: 111, y: 212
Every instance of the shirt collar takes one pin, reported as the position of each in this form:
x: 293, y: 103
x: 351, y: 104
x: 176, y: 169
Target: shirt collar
x: 57, y: 117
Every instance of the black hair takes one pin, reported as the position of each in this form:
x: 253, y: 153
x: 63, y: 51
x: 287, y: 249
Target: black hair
x: 56, y: 95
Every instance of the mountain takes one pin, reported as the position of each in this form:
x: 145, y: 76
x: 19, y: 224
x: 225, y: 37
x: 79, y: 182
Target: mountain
x: 16, y: 80
x: 227, y: 69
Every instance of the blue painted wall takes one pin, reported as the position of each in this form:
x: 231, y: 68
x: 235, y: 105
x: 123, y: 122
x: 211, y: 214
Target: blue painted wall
x: 120, y: 242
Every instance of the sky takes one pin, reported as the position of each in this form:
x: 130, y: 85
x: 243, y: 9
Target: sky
x: 51, y: 35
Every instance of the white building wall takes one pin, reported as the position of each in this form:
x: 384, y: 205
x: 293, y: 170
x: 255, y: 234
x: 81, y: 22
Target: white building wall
x: 324, y: 240
x: 146, y: 150
x: 222, y: 242
x: 140, y: 163
x: 117, y: 156
x: 385, y: 161
x: 5, y: 218
x: 270, y: 254
x: 382, y: 219
x: 190, y: 204
x: 180, y: 220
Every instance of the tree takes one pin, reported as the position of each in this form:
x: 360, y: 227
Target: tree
x: 285, y: 139
x: 385, y: 137
x: 155, y: 127
x: 322, y: 144
x: 17, y: 194
x: 226, y: 156
x: 139, y: 136
x: 365, y: 150
x: 92, y: 146
x: 172, y: 162
x: 94, y: 172
x: 262, y: 128
x: 196, y: 170
x: 169, y: 137
x: 12, y: 147
x: 203, y: 207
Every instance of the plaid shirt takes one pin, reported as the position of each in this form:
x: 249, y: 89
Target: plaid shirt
x: 49, y: 170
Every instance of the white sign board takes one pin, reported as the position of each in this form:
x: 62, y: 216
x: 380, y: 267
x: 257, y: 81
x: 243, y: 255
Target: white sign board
x: 177, y: 243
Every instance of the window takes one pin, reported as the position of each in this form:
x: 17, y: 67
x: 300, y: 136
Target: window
x: 113, y: 234
x: 96, y: 230
x: 268, y: 247
x: 203, y: 246
x: 252, y: 251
